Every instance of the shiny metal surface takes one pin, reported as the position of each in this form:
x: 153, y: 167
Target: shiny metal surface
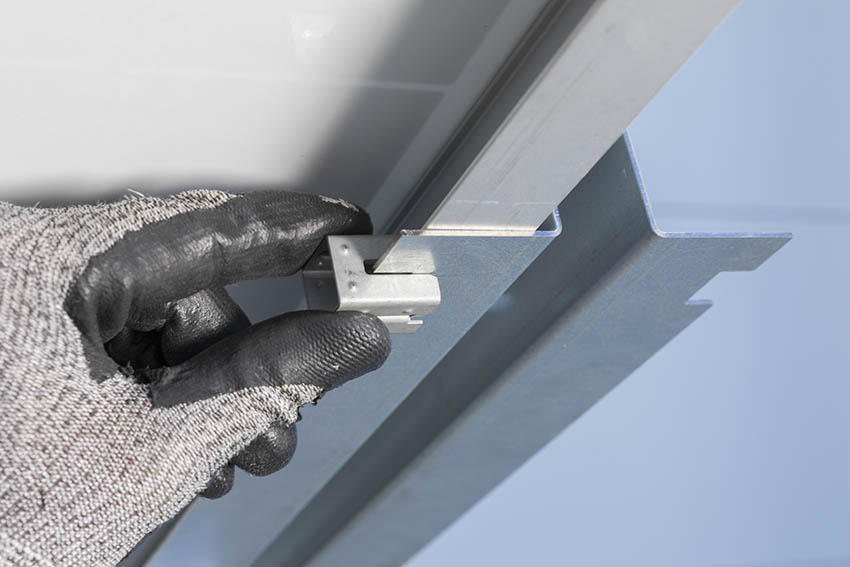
x: 611, y: 58
x: 600, y: 300
x: 444, y: 252
x: 336, y: 279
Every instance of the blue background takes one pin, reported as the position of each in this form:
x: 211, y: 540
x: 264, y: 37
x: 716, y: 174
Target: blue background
x: 730, y: 446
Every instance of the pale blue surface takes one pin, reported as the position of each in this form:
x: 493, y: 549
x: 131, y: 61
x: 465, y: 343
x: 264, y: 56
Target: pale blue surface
x: 730, y: 446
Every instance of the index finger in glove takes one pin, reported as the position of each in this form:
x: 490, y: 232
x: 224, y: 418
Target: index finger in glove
x: 247, y: 237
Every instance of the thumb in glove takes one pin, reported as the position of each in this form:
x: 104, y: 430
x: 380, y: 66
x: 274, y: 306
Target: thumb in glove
x: 128, y: 378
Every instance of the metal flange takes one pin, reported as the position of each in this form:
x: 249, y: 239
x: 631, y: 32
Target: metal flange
x: 339, y: 277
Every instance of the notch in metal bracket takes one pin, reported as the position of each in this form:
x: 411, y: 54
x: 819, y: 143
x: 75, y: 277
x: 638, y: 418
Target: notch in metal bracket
x: 339, y: 277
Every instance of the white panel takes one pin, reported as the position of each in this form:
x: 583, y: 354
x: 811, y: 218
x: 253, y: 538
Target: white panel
x: 98, y: 96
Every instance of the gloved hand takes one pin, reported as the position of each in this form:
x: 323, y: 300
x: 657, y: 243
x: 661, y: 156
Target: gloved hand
x: 130, y: 382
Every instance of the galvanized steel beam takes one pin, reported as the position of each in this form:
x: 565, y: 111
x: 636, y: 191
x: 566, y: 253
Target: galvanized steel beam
x: 599, y: 301
x: 585, y: 75
x: 331, y: 435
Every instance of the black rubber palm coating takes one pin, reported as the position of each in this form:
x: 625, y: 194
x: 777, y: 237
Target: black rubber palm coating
x: 269, y: 452
x: 155, y: 303
x: 136, y: 349
x: 199, y: 321
x: 316, y: 348
x: 220, y: 483
x: 192, y: 324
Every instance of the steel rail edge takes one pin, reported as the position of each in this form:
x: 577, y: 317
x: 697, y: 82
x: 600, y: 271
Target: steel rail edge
x: 327, y: 444
x: 575, y: 82
x: 607, y: 294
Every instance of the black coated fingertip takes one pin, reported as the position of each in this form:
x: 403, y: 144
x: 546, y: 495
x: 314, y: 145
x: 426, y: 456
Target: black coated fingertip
x: 340, y: 216
x: 198, y: 322
x: 352, y: 344
x: 316, y: 348
x: 220, y: 483
x: 270, y: 451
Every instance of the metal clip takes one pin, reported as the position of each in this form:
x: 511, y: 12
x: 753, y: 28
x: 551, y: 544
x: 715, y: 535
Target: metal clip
x: 339, y: 278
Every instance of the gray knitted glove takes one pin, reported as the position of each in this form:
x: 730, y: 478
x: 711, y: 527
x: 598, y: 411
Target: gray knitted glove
x: 114, y: 414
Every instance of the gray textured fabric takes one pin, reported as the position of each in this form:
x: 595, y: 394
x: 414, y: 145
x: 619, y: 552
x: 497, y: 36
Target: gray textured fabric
x: 87, y: 469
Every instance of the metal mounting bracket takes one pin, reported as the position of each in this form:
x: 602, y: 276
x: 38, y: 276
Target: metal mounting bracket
x: 340, y: 277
